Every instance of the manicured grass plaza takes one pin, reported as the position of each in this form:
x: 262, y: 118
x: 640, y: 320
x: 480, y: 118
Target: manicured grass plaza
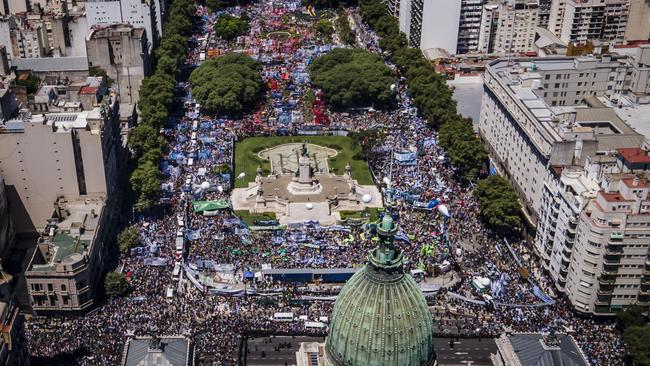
x: 247, y: 160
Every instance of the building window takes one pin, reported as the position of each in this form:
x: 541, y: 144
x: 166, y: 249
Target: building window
x: 50, y: 287
x: 37, y: 287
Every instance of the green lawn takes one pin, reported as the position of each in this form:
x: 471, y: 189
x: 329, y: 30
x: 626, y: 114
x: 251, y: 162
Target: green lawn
x: 247, y: 161
x: 250, y: 218
x: 370, y: 213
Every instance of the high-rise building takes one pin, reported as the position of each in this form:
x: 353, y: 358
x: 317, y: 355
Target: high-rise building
x: 380, y: 316
x: 544, y: 13
x: 637, y: 23
x: 543, y: 112
x: 120, y: 50
x: 68, y: 154
x: 594, y: 239
x: 588, y: 20
x: 469, y: 25
x: 145, y: 14
x: 508, y: 27
x: 427, y: 23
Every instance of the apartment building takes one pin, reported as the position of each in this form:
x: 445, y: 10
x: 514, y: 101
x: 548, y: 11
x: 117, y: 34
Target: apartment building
x: 69, y: 154
x: 139, y: 14
x: 29, y: 42
x: 593, y: 238
x: 508, y: 26
x: 67, y: 267
x: 469, y: 26
x: 543, y: 112
x: 610, y: 265
x: 586, y: 20
x: 544, y: 13
x: 121, y: 50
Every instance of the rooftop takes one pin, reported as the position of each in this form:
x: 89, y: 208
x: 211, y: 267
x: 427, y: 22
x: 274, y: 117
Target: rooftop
x: 68, y: 235
x: 539, y: 350
x: 46, y: 64
x: 634, y: 155
x: 523, y: 77
x: 170, y: 351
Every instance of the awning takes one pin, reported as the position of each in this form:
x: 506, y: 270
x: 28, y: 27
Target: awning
x: 200, y: 206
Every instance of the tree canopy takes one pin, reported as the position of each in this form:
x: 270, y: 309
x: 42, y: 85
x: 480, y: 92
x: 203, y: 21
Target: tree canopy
x: 228, y: 85
x: 115, y: 284
x: 128, y: 238
x: 324, y: 29
x: 636, y: 338
x: 229, y: 27
x: 464, y: 147
x: 499, y: 205
x: 353, y: 78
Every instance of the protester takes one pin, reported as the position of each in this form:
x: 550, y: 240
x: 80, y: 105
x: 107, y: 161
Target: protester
x: 199, y: 167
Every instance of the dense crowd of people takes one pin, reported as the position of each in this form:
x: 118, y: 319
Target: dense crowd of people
x: 199, y: 167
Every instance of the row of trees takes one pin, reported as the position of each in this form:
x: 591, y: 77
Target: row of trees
x: 353, y: 78
x: 228, y: 85
x: 155, y: 104
x: 434, y: 101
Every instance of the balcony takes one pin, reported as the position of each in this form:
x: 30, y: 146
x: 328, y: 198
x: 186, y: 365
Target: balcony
x: 612, y: 259
x: 603, y: 298
x: 606, y: 280
x: 610, y: 270
x: 602, y: 302
x: 616, y: 237
x: 613, y: 250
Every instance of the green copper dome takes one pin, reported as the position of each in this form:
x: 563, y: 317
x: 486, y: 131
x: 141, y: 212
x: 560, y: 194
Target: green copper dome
x: 380, y: 317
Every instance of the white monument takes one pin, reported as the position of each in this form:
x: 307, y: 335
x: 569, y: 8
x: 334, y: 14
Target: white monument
x: 300, y: 187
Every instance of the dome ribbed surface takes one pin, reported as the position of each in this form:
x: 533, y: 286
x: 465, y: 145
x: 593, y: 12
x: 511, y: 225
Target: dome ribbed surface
x: 380, y: 318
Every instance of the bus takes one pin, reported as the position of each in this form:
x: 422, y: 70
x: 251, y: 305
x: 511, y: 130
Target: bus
x: 283, y: 317
x: 314, y: 325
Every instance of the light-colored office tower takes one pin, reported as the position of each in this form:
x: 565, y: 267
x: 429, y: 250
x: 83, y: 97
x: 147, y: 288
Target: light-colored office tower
x: 121, y: 50
x: 431, y: 22
x: 145, y: 14
x: 543, y: 112
x: 556, y: 16
x: 427, y: 24
x: 44, y: 157
x: 588, y: 20
x: 638, y: 23
x: 508, y: 27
